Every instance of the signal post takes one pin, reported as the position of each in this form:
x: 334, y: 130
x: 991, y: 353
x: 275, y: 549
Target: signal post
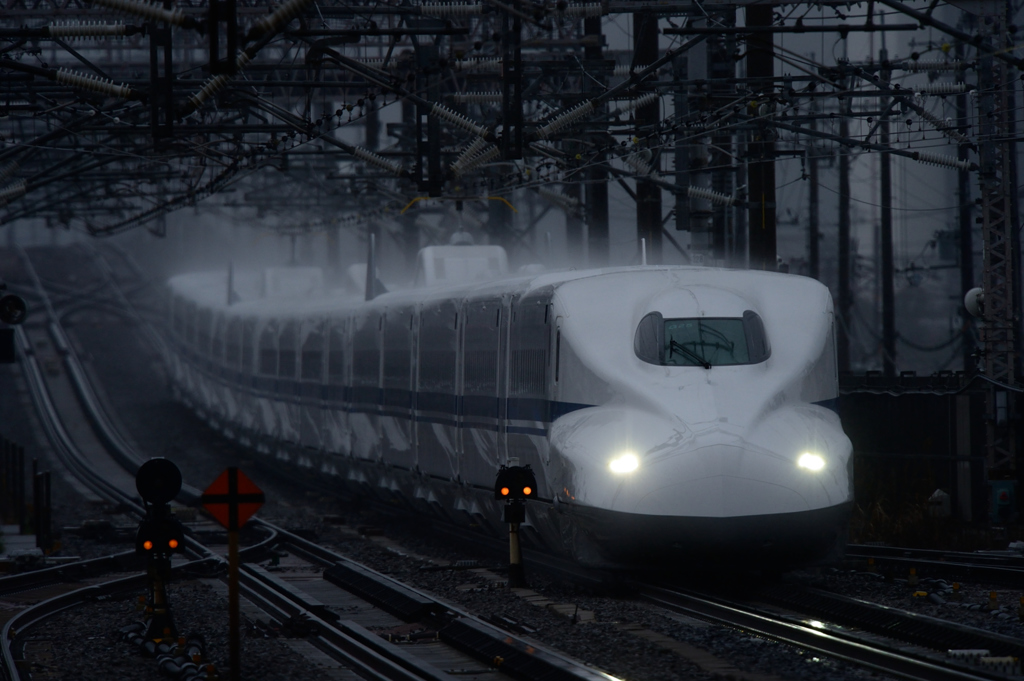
x: 515, y: 484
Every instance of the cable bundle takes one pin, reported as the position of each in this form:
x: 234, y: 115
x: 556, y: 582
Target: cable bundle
x: 457, y: 119
x: 477, y: 97
x: 941, y: 160
x: 87, y: 81
x: 93, y: 29
x: 377, y: 160
x: 710, y: 195
x: 566, y: 119
x: 11, y: 192
x: 451, y: 10
x: 146, y: 10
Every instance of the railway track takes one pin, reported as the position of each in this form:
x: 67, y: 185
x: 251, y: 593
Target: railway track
x: 470, y: 640
x: 285, y: 601
x: 997, y: 567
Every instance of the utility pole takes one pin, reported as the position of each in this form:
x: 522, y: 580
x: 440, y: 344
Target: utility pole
x: 963, y: 182
x: 885, y: 177
x: 648, y: 194
x: 597, y: 173
x: 812, y: 207
x: 845, y: 292
x: 761, y: 149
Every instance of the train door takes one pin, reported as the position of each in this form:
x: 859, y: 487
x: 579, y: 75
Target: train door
x: 336, y: 434
x: 480, y: 396
x: 396, y: 411
x: 311, y: 374
x: 366, y: 385
x: 436, y: 398
x: 528, y: 409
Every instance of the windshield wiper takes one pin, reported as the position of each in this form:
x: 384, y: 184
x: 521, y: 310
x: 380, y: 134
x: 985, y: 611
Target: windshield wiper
x: 673, y: 346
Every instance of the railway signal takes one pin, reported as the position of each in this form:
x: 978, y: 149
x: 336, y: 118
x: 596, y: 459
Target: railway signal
x: 515, y: 484
x: 232, y: 499
x: 159, y: 536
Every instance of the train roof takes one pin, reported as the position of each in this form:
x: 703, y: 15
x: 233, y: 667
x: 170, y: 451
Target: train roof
x: 209, y: 289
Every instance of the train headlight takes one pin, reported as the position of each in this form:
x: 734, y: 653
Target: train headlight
x: 810, y: 461
x: 624, y: 463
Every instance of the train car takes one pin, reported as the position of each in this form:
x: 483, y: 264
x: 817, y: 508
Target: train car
x: 668, y: 412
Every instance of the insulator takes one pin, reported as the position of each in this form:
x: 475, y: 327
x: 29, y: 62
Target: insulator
x: 566, y: 119
x: 280, y: 17
x: 624, y: 69
x: 451, y: 10
x: 8, y: 170
x: 942, y: 89
x: 941, y: 160
x: 474, y: 147
x: 75, y: 29
x: 641, y: 166
x: 379, y: 64
x: 477, y: 97
x: 87, y: 81
x: 568, y: 203
x: 457, y: 119
x: 932, y: 65
x: 486, y: 65
x: 943, y: 127
x: 11, y: 192
x: 585, y: 10
x: 215, y: 84
x: 377, y: 160
x: 489, y: 154
x: 710, y: 195
x: 146, y: 10
x: 639, y: 102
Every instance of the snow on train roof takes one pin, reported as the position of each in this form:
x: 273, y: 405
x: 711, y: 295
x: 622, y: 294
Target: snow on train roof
x: 209, y: 289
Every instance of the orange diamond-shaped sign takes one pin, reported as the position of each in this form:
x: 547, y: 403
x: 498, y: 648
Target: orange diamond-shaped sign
x: 232, y: 498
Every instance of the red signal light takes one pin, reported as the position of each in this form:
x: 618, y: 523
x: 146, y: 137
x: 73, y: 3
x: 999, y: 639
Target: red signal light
x: 148, y: 545
x: 504, y: 491
x: 527, y: 491
x: 173, y: 543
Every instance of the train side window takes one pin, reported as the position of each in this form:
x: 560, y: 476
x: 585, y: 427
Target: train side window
x: 438, y: 347
x: 248, y: 335
x: 757, y: 340
x: 313, y: 356
x: 336, y: 356
x: 268, y: 351
x: 232, y: 344
x: 650, y: 338
x: 286, y: 354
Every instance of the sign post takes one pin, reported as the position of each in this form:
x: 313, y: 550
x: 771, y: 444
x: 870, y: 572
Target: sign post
x: 232, y: 499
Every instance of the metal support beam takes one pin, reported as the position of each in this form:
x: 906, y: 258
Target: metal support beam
x: 886, y: 270
x: 648, y: 194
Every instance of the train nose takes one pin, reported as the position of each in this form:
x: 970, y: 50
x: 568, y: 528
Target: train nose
x: 723, y: 480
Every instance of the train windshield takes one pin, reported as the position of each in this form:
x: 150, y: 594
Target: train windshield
x: 703, y: 341
x: 714, y: 342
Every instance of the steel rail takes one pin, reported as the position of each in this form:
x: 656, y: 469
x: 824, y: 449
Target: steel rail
x: 1003, y: 569
x: 897, y: 661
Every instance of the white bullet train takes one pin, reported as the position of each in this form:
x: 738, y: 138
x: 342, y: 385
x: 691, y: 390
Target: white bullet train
x: 669, y: 413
